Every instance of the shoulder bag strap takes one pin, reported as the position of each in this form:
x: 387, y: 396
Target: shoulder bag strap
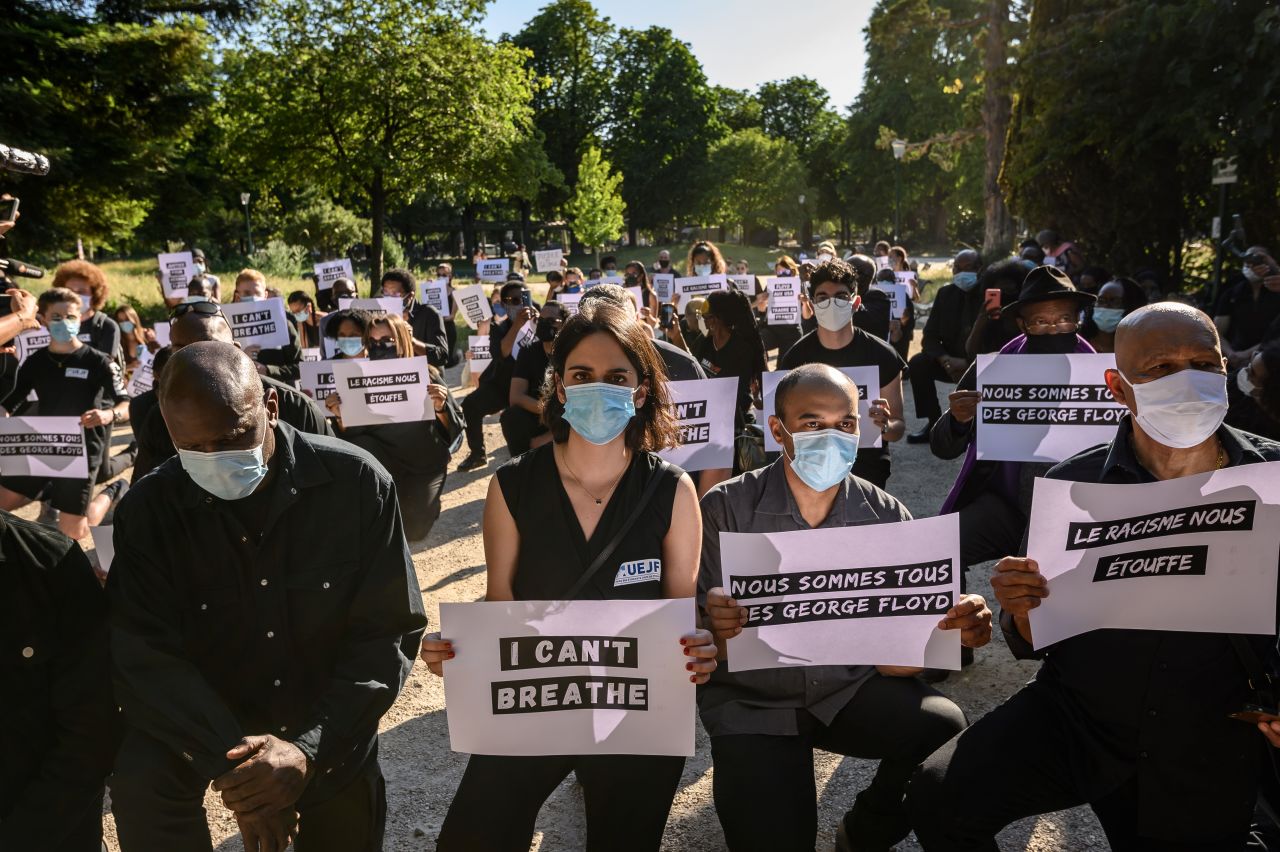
x: 1259, y: 681
x: 650, y: 487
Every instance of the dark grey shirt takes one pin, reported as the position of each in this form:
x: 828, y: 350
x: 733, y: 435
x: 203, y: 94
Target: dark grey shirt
x: 765, y: 701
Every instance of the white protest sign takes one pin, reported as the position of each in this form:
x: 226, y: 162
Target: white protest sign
x: 380, y: 305
x: 493, y: 269
x: 436, y: 294
x: 311, y: 354
x: 525, y: 337
x: 664, y: 285
x: 637, y: 296
x: 548, y: 260
x: 30, y: 341
x: 569, y: 677
x: 315, y: 379
x: 570, y: 301
x: 699, y: 285
x: 259, y: 323
x: 393, y: 390
x: 836, y: 597
x: 474, y: 304
x: 51, y: 447
x: 176, y: 271
x: 899, y: 295
x: 143, y: 379
x: 1195, y: 554
x: 882, y: 262
x: 615, y: 279
x: 704, y: 410
x: 1044, y: 408
x: 104, y: 546
x: 784, y: 300
x: 868, y: 381
x: 907, y: 278
x: 478, y: 346
x: 162, y: 330
x: 746, y: 284
x: 331, y: 270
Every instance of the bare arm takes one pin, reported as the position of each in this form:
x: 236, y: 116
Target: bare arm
x: 519, y: 396
x: 681, y: 548
x: 501, y: 545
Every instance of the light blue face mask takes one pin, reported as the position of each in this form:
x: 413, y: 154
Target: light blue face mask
x: 188, y: 300
x: 823, y: 459
x: 64, y: 330
x: 227, y: 475
x: 702, y: 270
x: 300, y: 316
x: 350, y: 346
x: 966, y: 281
x: 598, y: 411
x: 127, y: 327
x: 1106, y: 319
x: 248, y: 297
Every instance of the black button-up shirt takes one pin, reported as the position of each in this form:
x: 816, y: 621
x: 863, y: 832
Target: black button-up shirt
x: 765, y: 701
x: 1154, y: 703
x: 306, y: 631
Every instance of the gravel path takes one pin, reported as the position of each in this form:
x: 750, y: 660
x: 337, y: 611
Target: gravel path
x: 422, y: 773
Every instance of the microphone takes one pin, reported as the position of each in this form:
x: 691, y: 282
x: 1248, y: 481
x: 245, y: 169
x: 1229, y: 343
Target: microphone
x: 17, y: 160
x: 9, y: 266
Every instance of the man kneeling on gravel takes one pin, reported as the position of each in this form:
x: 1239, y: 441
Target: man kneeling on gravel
x: 764, y: 725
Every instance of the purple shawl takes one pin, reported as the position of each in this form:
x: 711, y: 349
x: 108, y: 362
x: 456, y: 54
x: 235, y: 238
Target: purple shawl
x: 1006, y: 476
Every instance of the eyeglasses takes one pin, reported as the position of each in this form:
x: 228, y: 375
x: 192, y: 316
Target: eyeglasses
x: 204, y: 309
x: 1046, y: 326
x: 838, y: 301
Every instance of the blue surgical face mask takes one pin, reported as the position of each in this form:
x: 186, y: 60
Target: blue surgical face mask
x: 300, y: 316
x: 227, y: 475
x: 823, y: 459
x: 127, y: 327
x: 350, y: 346
x: 1106, y: 319
x: 966, y: 281
x: 188, y: 300
x: 64, y: 330
x: 248, y: 297
x: 599, y: 412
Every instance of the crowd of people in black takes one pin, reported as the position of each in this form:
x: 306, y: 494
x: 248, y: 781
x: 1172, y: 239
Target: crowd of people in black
x: 262, y: 612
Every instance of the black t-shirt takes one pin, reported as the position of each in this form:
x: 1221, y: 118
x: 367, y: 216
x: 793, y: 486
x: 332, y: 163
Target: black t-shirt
x: 102, y: 333
x: 863, y: 351
x: 553, y: 552
x: 681, y: 366
x: 531, y: 365
x: 733, y: 359
x: 1250, y: 317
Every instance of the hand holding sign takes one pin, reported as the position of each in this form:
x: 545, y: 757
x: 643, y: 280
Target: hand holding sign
x: 726, y: 616
x: 702, y: 648
x: 964, y: 405
x: 1019, y: 586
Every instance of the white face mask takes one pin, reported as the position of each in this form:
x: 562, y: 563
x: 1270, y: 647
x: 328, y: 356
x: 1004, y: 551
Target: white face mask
x: 1251, y: 276
x: 702, y: 270
x: 1182, y: 409
x: 1246, y: 385
x: 833, y: 314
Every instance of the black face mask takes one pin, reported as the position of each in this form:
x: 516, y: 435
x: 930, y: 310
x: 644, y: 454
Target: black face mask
x: 632, y: 280
x: 1051, y: 344
x: 546, y: 330
x: 380, y: 350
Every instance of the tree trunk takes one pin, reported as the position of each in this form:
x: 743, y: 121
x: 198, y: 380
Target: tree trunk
x: 526, y: 224
x: 997, y: 235
x: 806, y: 233
x: 468, y: 233
x: 378, y: 212
x: 633, y: 233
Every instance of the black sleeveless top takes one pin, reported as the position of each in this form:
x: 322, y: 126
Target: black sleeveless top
x: 553, y: 553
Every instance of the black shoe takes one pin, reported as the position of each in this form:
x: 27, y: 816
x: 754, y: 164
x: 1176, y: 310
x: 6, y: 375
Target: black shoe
x: 473, y: 461
x: 844, y: 844
x: 115, y: 490
x: 934, y: 675
x: 921, y: 437
x: 966, y: 657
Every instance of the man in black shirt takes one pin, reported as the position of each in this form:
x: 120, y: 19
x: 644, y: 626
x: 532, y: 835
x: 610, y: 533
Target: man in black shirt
x: 429, y: 337
x: 58, y: 722
x: 837, y: 343
x: 942, y: 356
x: 70, y: 379
x: 239, y: 657
x: 522, y: 425
x: 1132, y: 722
x: 1247, y: 309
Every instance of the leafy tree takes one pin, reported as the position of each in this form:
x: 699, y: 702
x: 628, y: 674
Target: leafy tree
x: 378, y: 99
x: 754, y: 180
x: 738, y: 109
x: 791, y: 109
x: 325, y: 228
x: 596, y: 208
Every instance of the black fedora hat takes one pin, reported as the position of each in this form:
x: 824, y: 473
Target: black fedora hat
x: 1046, y: 283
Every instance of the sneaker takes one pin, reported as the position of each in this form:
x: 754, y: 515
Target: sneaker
x: 473, y: 461
x: 922, y: 436
x: 115, y: 490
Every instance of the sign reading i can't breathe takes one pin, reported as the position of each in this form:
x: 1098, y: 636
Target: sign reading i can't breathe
x: 315, y: 379
x: 331, y: 270
x: 704, y: 410
x: 1198, y: 555
x: 51, y: 447
x: 829, y: 597
x: 393, y: 390
x: 1044, y: 408
x: 493, y: 269
x: 868, y: 381
x: 568, y: 677
x: 260, y: 323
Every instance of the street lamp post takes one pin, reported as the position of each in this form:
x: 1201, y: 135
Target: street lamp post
x: 248, y: 228
x: 899, y: 148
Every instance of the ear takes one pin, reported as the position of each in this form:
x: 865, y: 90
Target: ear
x: 779, y: 434
x: 1022, y: 326
x: 1120, y: 391
x: 857, y: 302
x: 272, y: 403
x: 559, y: 388
x: 642, y: 394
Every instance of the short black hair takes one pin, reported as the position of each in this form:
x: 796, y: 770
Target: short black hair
x: 800, y: 374
x: 518, y: 286
x: 608, y: 259
x: 361, y: 318
x: 554, y: 277
x: 835, y: 271
x: 403, y: 276
x: 300, y: 296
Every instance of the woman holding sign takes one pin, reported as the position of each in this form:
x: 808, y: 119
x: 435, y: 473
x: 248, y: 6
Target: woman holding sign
x: 594, y: 515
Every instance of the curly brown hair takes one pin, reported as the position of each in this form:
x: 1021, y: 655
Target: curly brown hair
x: 88, y: 272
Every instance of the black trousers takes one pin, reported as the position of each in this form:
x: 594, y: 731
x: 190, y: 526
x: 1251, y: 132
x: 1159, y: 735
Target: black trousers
x: 873, y: 466
x: 764, y: 788
x: 158, y: 803
x: 451, y: 337
x: 486, y: 399
x: 627, y: 797
x: 1021, y: 760
x: 520, y: 427
x: 924, y: 371
x: 79, y: 828
x: 990, y: 528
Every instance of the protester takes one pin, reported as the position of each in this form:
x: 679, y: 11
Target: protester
x: 281, y: 363
x: 444, y: 272
x: 994, y: 498
x: 429, y: 337
x: 1247, y: 310
x: 1060, y: 253
x: 992, y: 329
x: 260, y: 666
x: 1116, y: 300
x: 943, y: 356
x: 415, y: 454
x: 680, y: 365
x: 494, y: 391
x: 197, y: 323
x: 1132, y: 722
x: 343, y: 288
x: 89, y: 283
x: 609, y: 265
x: 838, y: 344
x: 570, y: 282
x: 70, y: 379
x: 779, y: 337
x: 874, y: 314
x: 548, y: 515
x: 704, y: 259
x: 304, y: 312
x: 635, y: 276
x: 730, y: 347
x: 133, y: 337
x: 346, y: 327
x: 212, y: 283
x: 765, y: 724
x: 1092, y: 278
x: 522, y: 425
x: 901, y: 331
x: 60, y: 727
x: 663, y: 263
x: 1255, y: 394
